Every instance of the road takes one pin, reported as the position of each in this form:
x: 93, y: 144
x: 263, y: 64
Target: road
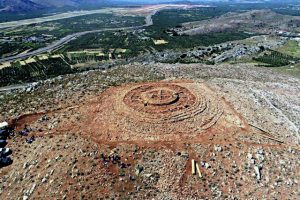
x: 123, y: 11
x: 56, y: 17
x: 59, y: 43
x: 150, y: 10
x: 14, y: 87
x: 63, y: 41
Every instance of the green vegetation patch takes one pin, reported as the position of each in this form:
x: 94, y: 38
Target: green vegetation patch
x: 142, y: 41
x: 166, y: 19
x: 109, y: 42
x: 174, y: 17
x: 276, y: 59
x: 291, y: 48
x: 44, y: 33
x: 16, y: 48
x: 42, y: 69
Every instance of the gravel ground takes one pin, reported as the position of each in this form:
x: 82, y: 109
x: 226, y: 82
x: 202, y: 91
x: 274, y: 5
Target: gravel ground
x: 258, y: 160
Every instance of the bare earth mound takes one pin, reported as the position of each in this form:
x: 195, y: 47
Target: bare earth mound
x: 153, y: 111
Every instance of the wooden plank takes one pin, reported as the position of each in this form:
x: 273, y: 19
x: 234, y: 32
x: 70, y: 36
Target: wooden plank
x: 198, y: 170
x: 193, y: 167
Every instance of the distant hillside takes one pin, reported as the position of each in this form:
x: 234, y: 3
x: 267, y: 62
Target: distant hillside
x: 56, y: 3
x: 12, y: 6
x: 18, y: 5
x: 254, y: 21
x: 74, y: 3
x: 32, y: 5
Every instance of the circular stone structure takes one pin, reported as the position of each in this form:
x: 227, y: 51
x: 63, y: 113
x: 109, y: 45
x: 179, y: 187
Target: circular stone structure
x: 166, y: 102
x: 153, y: 109
x: 159, y: 99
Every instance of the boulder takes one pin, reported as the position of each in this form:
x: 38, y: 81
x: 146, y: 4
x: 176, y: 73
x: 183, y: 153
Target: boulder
x: 3, y: 125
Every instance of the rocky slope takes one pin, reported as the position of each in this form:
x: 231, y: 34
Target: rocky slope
x: 251, y: 151
x: 18, y: 6
x: 14, y: 6
x: 254, y: 21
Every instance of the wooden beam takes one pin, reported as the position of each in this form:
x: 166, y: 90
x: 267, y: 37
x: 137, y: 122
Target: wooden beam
x: 198, y: 170
x: 193, y: 167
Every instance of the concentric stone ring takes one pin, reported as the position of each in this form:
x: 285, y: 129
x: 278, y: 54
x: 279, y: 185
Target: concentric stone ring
x: 163, y: 98
x: 156, y: 110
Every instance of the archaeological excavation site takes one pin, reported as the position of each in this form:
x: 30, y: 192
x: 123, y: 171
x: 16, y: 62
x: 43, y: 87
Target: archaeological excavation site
x: 150, y: 100
x: 155, y: 138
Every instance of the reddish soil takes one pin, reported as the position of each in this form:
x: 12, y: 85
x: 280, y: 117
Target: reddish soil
x: 155, y: 125
x: 155, y: 113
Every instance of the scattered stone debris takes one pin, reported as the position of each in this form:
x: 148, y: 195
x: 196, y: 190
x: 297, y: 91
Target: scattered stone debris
x: 152, y: 167
x: 138, y: 169
x: 218, y: 148
x: 30, y: 140
x: 23, y: 133
x: 257, y: 172
x: 207, y: 166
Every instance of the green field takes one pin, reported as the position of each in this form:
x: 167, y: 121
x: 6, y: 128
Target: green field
x: 60, y: 28
x: 273, y: 58
x: 291, y: 48
x: 174, y: 17
x: 39, y: 70
x: 284, y: 60
x: 133, y: 42
x: 163, y: 20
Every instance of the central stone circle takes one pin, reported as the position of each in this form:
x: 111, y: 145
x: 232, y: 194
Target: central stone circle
x: 161, y: 98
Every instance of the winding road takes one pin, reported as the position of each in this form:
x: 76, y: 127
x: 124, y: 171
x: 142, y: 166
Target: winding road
x: 59, y: 43
x: 63, y: 41
x: 151, y: 10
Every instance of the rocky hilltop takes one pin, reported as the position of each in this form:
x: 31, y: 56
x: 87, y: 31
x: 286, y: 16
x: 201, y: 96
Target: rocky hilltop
x: 155, y: 131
